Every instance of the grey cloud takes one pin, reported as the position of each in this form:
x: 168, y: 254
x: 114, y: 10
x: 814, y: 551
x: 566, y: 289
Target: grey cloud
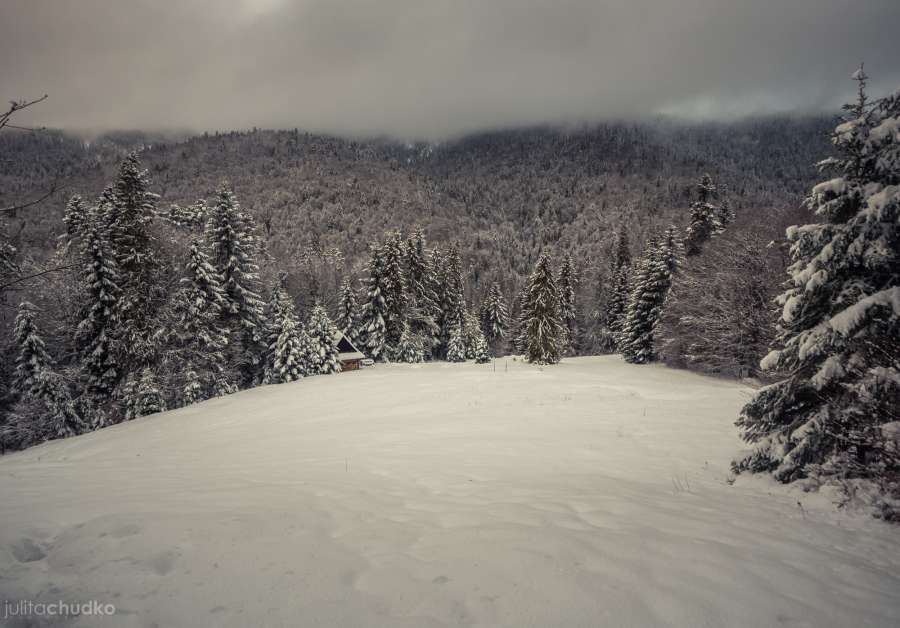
x: 433, y: 68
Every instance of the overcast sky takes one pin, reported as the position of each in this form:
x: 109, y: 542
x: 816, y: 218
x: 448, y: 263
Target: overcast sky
x: 433, y: 68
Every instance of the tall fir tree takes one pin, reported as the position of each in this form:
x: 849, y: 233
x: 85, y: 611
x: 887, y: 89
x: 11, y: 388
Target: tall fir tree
x: 98, y: 334
x: 199, y: 336
x: 394, y: 288
x: 372, y: 326
x: 568, y: 285
x: 289, y: 347
x: 544, y: 332
x: 837, y: 347
x: 322, y: 333
x: 652, y: 281
x: 35, y: 379
x: 495, y: 320
x: 348, y: 315
x: 423, y: 312
x: 452, y: 300
x: 129, y: 208
x: 706, y: 219
x: 231, y: 239
x: 617, y: 296
x: 410, y: 348
x: 456, y: 346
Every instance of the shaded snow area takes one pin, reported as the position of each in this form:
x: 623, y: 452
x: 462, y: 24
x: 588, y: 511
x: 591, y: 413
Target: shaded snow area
x: 591, y: 493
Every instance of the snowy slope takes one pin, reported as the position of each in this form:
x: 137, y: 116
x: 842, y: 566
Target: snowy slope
x: 585, y: 494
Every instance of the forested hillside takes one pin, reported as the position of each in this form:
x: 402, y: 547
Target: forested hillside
x: 503, y: 196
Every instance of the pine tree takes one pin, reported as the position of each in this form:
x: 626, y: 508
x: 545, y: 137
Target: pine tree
x: 520, y: 331
x: 471, y: 332
x: 706, y: 219
x: 619, y: 291
x: 651, y: 287
x: 423, y: 311
x: 482, y: 353
x: 232, y: 242
x: 75, y: 217
x: 544, y: 333
x: 372, y: 325
x: 394, y: 288
x: 143, y: 396
x: 33, y: 359
x: 128, y: 208
x: 837, y: 344
x: 567, y: 284
x: 348, y: 312
x: 495, y: 319
x: 452, y: 301
x: 410, y: 347
x: 199, y: 334
x: 456, y: 347
x: 322, y: 333
x: 290, y: 352
x: 98, y: 334
x: 35, y: 379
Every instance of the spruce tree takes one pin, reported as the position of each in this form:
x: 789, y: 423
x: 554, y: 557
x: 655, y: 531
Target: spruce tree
x: 452, y: 301
x: 372, y: 326
x: 544, y: 335
x: 129, y: 208
x: 410, y: 347
x: 706, y: 219
x: 199, y: 334
x: 471, y: 332
x: 482, y: 352
x: 619, y: 290
x: 394, y: 288
x: 496, y: 318
x: 98, y: 334
x: 322, y: 332
x: 456, y: 347
x: 837, y: 347
x: 348, y: 312
x: 289, y: 351
x: 32, y: 359
x: 423, y: 312
x: 35, y: 379
x: 231, y: 239
x: 567, y: 284
x: 144, y: 396
x: 652, y: 281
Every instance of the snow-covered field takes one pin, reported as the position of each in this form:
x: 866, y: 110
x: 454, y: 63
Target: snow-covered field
x: 592, y: 493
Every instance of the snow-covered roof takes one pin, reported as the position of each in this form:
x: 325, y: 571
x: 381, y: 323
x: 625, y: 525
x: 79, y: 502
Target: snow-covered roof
x: 346, y: 350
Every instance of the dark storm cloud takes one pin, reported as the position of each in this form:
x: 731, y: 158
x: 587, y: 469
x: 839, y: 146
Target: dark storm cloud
x: 432, y: 68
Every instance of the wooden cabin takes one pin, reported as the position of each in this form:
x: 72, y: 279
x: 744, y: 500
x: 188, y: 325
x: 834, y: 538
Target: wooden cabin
x: 349, y: 356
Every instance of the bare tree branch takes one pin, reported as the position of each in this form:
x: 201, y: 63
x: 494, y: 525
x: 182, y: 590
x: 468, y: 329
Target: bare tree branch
x: 14, y: 208
x: 18, y: 105
x: 34, y: 275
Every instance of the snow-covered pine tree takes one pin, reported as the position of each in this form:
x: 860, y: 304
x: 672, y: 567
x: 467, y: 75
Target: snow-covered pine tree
x: 496, y: 317
x: 705, y: 217
x: 567, y: 285
x: 32, y: 359
x: 838, y: 340
x: 423, y: 311
x: 410, y: 347
x: 290, y: 352
x: 471, y: 331
x: 74, y: 217
x: 394, y: 288
x: 651, y: 287
x: 129, y: 208
x: 372, y: 326
x: 456, y: 347
x: 230, y: 237
x: 519, y: 333
x: 98, y: 333
x: 55, y: 415
x: 544, y: 333
x: 482, y: 352
x: 619, y: 290
x: 322, y: 332
x: 452, y: 300
x: 144, y: 396
x: 199, y: 336
x: 349, y: 315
